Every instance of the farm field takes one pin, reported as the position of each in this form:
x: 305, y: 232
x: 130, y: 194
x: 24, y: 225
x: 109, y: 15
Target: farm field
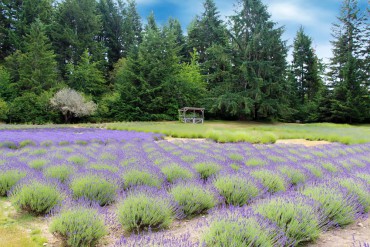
x: 253, y: 132
x: 87, y: 187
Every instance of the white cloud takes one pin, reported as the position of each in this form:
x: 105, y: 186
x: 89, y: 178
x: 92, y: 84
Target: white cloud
x: 286, y: 11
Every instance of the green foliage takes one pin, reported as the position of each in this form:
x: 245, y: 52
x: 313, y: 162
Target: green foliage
x: 174, y: 172
x: 255, y: 162
x: 76, y: 27
x: 38, y: 163
x: 295, y: 175
x: 36, y: 197
x: 359, y: 189
x: 364, y: 176
x: 62, y: 172
x: 103, y: 167
x: 77, y: 159
x: 86, y: 76
x: 297, y: 217
x: 8, y: 179
x: 140, y: 211
x: 79, y: 227
x: 4, y: 110
x: 193, y: 199
x: 25, y: 143
x: 336, y: 205
x: 94, y: 188
x: 236, y: 190
x: 207, y: 169
x: 271, y: 180
x: 239, y: 232
x: 316, y: 171
x: 137, y: 177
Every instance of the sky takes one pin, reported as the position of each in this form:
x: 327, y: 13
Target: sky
x: 316, y: 16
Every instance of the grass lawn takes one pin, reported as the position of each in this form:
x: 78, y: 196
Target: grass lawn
x: 227, y: 131
x: 18, y: 229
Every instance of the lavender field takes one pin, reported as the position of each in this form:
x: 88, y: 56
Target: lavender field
x: 98, y: 187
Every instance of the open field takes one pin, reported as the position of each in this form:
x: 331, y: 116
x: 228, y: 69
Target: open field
x: 118, y: 188
x: 224, y: 131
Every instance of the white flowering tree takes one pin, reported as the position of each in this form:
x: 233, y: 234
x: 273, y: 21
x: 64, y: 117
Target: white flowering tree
x: 72, y: 104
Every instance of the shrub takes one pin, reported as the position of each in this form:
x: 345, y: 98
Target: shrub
x: 36, y: 197
x: 317, y: 172
x: 94, y: 188
x: 103, y: 167
x: 273, y: 181
x: 329, y: 167
x: 207, y: 169
x: 40, y: 151
x: 62, y: 172
x: 236, y: 190
x: 295, y: 176
x: 193, y: 199
x: 26, y: 143
x: 255, y: 162
x: 240, y: 229
x: 136, y: 177
x: 297, y: 217
x: 77, y: 159
x: 174, y: 172
x: 38, y: 164
x: 141, y: 211
x: 8, y: 179
x: 359, y: 189
x: 236, y: 157
x: 337, y: 205
x: 79, y: 227
x: 364, y: 176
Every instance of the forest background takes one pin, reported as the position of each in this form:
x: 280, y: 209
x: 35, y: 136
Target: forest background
x: 236, y: 67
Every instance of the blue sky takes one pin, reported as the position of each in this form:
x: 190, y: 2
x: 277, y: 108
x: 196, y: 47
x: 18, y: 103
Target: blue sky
x: 316, y: 16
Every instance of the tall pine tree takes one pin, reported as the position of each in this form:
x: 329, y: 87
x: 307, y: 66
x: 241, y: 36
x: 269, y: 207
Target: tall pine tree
x: 259, y: 59
x: 350, y: 95
x: 307, y: 80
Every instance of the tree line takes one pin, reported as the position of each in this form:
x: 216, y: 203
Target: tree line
x: 236, y: 69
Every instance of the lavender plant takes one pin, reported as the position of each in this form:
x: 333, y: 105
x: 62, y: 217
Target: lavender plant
x: 36, y: 197
x: 8, y: 179
x: 79, y: 227
x: 236, y: 190
x: 175, y: 172
x: 273, y: 181
x: 338, y: 205
x: 38, y: 163
x: 240, y: 227
x: 207, y: 169
x: 136, y: 177
x: 193, y: 198
x: 297, y: 216
x: 94, y: 188
x: 141, y: 211
x: 60, y: 172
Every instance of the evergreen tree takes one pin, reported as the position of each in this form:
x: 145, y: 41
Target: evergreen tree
x: 16, y: 18
x: 37, y: 66
x: 306, y: 69
x: 174, y: 26
x: 86, y: 76
x: 350, y: 97
x: 132, y: 28
x: 112, y: 31
x: 76, y: 28
x: 206, y: 31
x: 259, y: 59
